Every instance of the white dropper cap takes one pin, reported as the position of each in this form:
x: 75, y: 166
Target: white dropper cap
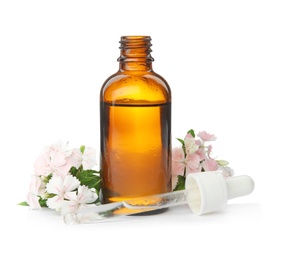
x: 210, y: 191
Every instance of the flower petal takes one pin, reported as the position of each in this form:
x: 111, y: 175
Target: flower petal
x: 89, y: 158
x: 177, y: 154
x: 178, y: 164
x: 72, y: 195
x: 70, y: 183
x: 33, y: 201
x: 178, y: 168
x: 69, y: 206
x: 55, y: 202
x: 210, y: 165
x: 206, y: 137
x: 42, y: 165
x: 192, y: 163
x: 85, y: 195
x: 55, y: 185
x: 37, y: 186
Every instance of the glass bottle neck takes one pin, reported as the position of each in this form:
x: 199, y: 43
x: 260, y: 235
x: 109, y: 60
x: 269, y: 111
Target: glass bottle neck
x: 135, y: 65
x: 135, y: 53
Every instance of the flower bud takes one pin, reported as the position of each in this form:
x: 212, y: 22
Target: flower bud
x: 222, y: 163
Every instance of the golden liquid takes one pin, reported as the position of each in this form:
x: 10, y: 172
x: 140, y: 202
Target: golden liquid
x: 135, y: 150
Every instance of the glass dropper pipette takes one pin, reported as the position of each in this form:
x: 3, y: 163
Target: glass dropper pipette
x: 92, y: 213
x: 204, y: 192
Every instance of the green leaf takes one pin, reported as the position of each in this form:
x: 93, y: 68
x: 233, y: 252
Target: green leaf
x: 183, y: 145
x: 191, y: 132
x: 89, y: 178
x: 43, y: 203
x: 97, y: 200
x: 82, y: 148
x: 73, y: 171
x: 46, y: 179
x: 23, y: 203
x: 180, y: 183
x: 181, y: 141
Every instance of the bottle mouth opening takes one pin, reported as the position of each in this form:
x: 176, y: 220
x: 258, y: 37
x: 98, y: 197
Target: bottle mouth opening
x: 132, y: 42
x: 136, y: 38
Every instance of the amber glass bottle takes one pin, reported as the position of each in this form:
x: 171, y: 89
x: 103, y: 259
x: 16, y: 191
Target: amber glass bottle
x: 135, y: 114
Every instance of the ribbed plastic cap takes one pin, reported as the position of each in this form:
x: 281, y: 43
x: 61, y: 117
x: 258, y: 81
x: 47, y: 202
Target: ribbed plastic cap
x: 209, y: 191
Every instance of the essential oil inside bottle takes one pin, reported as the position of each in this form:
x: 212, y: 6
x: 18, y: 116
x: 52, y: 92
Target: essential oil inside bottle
x: 134, y: 150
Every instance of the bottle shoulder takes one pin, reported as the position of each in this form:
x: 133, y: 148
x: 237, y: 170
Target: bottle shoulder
x: 147, y: 87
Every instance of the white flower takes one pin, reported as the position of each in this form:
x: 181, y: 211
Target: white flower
x: 87, y: 158
x: 77, y: 199
x: 62, y: 187
x: 85, y: 195
x: 190, y: 144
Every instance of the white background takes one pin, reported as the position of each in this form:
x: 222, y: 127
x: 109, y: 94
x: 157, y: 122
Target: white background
x: 227, y: 65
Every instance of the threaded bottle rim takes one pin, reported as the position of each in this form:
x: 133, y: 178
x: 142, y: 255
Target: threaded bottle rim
x: 128, y: 42
x: 134, y: 48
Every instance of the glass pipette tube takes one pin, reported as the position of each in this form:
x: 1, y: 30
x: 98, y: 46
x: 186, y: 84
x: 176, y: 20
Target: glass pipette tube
x: 92, y: 213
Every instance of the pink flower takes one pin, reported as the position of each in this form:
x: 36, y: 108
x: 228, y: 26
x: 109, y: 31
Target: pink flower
x: 36, y: 189
x: 42, y: 165
x: 201, y: 153
x: 178, y: 159
x: 33, y: 201
x: 209, y: 150
x: 59, y: 146
x: 192, y: 162
x: 206, y: 137
x: 54, y: 160
x: 37, y: 185
x: 210, y: 164
x: 179, y: 163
